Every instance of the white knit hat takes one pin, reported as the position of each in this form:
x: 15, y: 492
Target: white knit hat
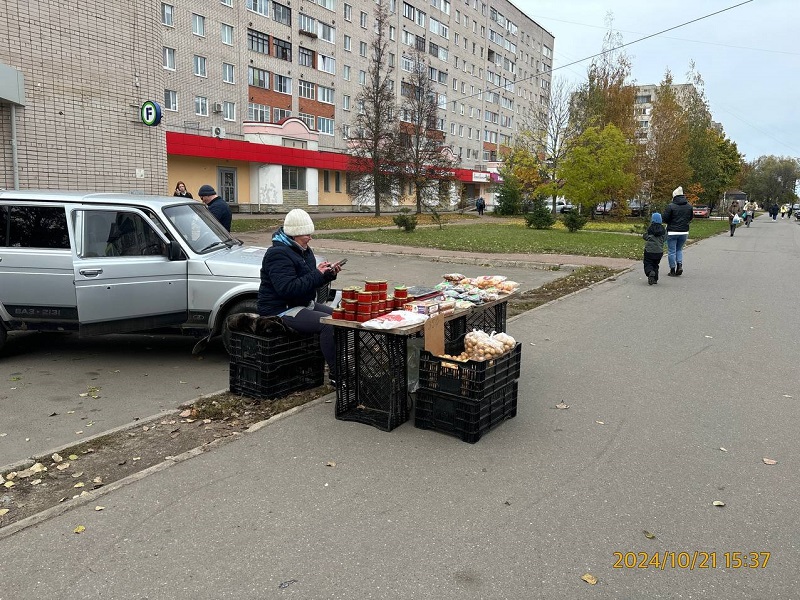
x: 678, y: 191
x: 297, y: 222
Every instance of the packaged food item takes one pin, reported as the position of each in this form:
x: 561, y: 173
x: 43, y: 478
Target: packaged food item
x: 508, y: 286
x: 424, y: 307
x: 395, y: 320
x: 453, y: 277
x: 480, y: 346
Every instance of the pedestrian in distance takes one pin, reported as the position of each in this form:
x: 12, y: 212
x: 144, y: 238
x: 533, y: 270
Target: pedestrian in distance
x: 290, y: 277
x: 733, y: 216
x: 480, y: 205
x: 218, y: 207
x: 774, y: 210
x: 654, y: 239
x: 784, y: 210
x: 676, y: 217
x: 750, y: 212
x: 182, y: 192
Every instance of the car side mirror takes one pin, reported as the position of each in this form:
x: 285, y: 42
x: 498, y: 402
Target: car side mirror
x: 174, y: 251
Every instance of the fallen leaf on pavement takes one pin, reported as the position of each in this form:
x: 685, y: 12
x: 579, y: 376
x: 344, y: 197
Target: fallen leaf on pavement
x: 3, y: 511
x: 8, y: 484
x: 80, y: 484
x: 73, y: 457
x: 562, y: 405
x: 787, y: 396
x: 648, y: 535
x: 600, y: 422
x: 723, y: 449
x: 79, y: 529
x: 186, y: 413
x: 57, y: 457
x: 330, y: 463
x: 97, y: 480
x: 78, y: 474
x: 718, y: 503
x: 62, y: 466
x: 589, y: 578
x: 769, y: 461
x: 99, y: 507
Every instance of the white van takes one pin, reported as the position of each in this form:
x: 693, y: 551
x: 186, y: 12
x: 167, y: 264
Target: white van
x: 100, y: 263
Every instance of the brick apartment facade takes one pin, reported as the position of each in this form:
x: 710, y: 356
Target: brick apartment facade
x: 228, y: 73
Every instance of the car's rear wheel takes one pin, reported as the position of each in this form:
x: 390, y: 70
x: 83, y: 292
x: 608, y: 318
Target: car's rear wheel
x: 243, y: 306
x: 3, y: 337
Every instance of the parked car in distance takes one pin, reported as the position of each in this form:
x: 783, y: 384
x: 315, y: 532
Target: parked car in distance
x: 704, y: 212
x: 562, y: 206
x: 636, y: 208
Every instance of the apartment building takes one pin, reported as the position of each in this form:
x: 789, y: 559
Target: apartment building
x: 256, y: 96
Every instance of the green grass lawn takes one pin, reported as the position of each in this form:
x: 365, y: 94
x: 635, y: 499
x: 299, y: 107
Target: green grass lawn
x: 515, y: 237
x: 617, y: 239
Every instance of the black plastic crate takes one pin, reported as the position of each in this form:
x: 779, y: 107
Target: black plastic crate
x: 280, y: 349
x: 372, y: 381
x: 471, y: 379
x: 454, y: 331
x: 276, y: 381
x: 488, y: 319
x: 465, y: 418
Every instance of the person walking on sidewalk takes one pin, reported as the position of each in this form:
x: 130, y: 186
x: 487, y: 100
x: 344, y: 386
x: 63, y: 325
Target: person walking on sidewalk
x: 749, y: 212
x: 774, y: 210
x: 676, y: 217
x: 733, y: 216
x: 480, y: 204
x: 654, y: 239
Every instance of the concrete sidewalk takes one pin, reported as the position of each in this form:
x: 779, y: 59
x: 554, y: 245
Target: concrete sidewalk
x: 673, y: 405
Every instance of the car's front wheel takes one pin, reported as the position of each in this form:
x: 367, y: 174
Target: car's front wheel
x: 243, y: 306
x: 3, y: 337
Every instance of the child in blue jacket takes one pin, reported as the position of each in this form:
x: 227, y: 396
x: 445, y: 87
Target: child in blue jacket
x: 654, y: 239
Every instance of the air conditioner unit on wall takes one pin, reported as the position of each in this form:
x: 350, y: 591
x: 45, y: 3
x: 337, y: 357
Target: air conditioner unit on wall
x: 218, y: 132
x: 217, y: 107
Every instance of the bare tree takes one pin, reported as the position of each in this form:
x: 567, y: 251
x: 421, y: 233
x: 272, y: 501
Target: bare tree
x: 426, y: 161
x: 374, y: 134
x: 551, y: 131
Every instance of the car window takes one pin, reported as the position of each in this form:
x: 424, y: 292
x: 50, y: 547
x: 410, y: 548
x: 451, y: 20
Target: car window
x: 116, y: 233
x: 197, y: 226
x: 33, y: 227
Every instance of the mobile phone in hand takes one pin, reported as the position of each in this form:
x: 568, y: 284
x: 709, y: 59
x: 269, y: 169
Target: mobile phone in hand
x: 341, y: 263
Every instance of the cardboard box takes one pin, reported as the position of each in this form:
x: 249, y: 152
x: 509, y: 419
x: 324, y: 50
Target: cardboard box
x: 434, y: 334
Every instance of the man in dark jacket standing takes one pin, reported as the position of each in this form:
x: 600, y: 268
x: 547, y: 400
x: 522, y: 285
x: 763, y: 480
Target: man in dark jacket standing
x: 218, y: 207
x: 676, y: 217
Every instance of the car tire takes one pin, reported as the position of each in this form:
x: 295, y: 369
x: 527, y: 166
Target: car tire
x: 3, y: 337
x: 243, y: 306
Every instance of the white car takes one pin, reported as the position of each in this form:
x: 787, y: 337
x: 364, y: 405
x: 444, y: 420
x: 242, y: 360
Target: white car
x: 100, y: 263
x: 562, y: 206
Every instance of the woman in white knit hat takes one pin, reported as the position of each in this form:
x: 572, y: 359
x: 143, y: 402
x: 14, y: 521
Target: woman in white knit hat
x: 290, y: 278
x: 676, y: 217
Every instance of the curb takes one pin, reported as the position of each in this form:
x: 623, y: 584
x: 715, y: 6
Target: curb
x: 68, y: 505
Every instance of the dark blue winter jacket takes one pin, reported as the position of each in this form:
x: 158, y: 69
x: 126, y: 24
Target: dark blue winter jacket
x: 677, y: 216
x: 289, y: 276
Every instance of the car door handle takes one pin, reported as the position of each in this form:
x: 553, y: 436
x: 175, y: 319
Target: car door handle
x: 91, y: 272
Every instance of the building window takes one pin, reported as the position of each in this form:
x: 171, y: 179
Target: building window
x: 258, y: 112
x: 348, y: 41
x: 279, y: 114
x: 259, y: 6
x: 283, y: 84
x: 258, y: 77
x: 362, y: 77
x: 257, y: 41
x: 306, y: 89
x: 392, y: 32
x: 283, y: 50
x: 325, y: 126
x: 167, y: 14
x: 326, y: 63
x: 346, y: 102
x: 329, y: 4
x: 306, y: 57
x: 170, y: 100
x: 294, y: 178
x: 362, y: 49
x: 229, y: 111
x: 201, y: 106
x: 281, y: 13
x: 307, y: 119
x: 338, y: 181
x: 325, y: 94
x: 348, y: 12
x: 227, y: 34
x: 363, y: 19
x: 326, y: 181
x: 169, y: 58
x: 327, y: 33
x: 199, y: 25
x: 227, y: 2
x: 200, y: 66
x: 228, y: 73
x: 346, y: 72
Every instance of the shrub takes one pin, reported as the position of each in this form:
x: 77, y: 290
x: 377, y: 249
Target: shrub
x: 574, y: 221
x: 405, y: 220
x: 540, y: 216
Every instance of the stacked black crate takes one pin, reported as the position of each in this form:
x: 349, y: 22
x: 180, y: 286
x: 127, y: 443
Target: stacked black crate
x: 275, y: 365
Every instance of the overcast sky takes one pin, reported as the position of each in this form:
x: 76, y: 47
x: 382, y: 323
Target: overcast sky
x: 748, y: 56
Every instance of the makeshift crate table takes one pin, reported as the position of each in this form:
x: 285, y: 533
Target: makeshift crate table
x: 372, y: 379
x: 275, y: 365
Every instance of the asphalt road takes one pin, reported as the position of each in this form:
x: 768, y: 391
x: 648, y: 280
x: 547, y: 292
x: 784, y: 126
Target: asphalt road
x: 677, y: 392
x: 43, y: 376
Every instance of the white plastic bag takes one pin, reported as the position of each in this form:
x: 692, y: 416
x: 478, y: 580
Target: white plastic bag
x: 395, y: 320
x: 736, y: 219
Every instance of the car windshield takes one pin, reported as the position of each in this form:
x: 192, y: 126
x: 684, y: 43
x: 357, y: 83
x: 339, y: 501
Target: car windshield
x: 198, y: 227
